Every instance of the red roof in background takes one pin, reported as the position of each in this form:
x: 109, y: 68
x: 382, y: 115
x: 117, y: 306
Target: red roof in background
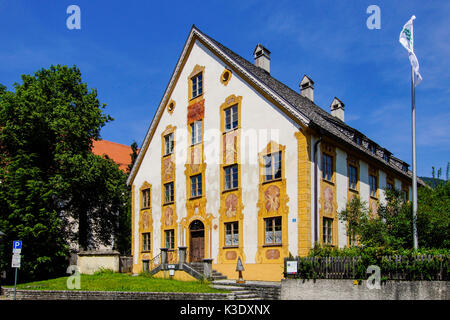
x: 119, y: 153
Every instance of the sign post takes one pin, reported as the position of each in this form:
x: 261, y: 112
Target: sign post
x: 17, y: 249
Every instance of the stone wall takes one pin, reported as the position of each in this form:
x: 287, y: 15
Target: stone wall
x: 112, y: 295
x: 329, y: 289
x: 92, y: 261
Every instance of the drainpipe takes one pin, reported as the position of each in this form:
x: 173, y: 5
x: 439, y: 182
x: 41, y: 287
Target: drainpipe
x: 316, y: 205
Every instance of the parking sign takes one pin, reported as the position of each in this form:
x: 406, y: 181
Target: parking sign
x: 17, y: 244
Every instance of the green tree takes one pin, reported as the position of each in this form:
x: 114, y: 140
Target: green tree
x: 392, y: 225
x: 433, y: 218
x: 49, y: 176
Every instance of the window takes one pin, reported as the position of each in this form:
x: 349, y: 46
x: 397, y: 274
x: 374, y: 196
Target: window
x: 146, y: 198
x: 386, y: 157
x: 168, y: 144
x: 373, y: 186
x: 327, y: 167
x: 231, y: 177
x: 197, y: 85
x: 273, y: 230
x: 146, y: 241
x: 196, y: 185
x: 327, y: 231
x: 145, y: 265
x: 196, y: 132
x: 168, y: 192
x: 170, y: 238
x: 352, y: 239
x: 232, y: 234
x: 352, y: 177
x: 272, y: 165
x: 357, y: 140
x: 231, y: 118
x: 405, y: 195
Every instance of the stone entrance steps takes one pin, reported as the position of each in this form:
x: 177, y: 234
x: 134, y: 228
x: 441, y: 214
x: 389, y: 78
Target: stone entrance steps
x: 251, y: 290
x: 198, y: 266
x: 240, y: 293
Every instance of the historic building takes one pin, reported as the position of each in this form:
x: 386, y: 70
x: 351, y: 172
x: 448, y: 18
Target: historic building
x: 236, y: 164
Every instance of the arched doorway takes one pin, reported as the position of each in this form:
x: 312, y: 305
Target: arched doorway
x: 197, y: 241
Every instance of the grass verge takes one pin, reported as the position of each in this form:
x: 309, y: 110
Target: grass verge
x: 110, y: 281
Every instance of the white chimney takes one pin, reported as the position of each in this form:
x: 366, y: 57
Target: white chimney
x: 307, y: 88
x: 262, y: 57
x: 337, y: 108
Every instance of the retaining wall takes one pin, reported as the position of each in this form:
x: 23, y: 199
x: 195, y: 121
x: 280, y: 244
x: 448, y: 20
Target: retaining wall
x: 329, y: 289
x: 111, y: 295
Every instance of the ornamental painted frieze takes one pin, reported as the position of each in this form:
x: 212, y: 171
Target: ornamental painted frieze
x: 230, y: 205
x: 272, y: 196
x: 328, y: 200
x: 168, y: 169
x: 168, y: 216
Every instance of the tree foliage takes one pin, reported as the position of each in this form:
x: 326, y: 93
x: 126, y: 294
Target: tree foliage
x: 392, y: 225
x: 49, y: 176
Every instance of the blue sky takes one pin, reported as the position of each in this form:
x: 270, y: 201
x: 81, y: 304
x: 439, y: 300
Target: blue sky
x: 127, y: 50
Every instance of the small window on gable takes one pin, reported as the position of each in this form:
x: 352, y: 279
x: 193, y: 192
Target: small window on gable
x: 352, y: 177
x: 196, y: 132
x: 373, y: 185
x: 197, y: 85
x: 146, y: 198
x: 231, y: 118
x: 272, y: 164
x: 168, y: 144
x: 327, y: 167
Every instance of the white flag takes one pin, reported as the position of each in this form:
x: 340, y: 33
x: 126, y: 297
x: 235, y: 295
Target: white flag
x: 407, y: 40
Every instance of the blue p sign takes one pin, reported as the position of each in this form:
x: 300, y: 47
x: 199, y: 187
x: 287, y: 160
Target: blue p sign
x: 17, y: 244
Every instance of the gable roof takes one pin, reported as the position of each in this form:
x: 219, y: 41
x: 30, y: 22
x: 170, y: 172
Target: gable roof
x: 293, y: 104
x: 119, y: 153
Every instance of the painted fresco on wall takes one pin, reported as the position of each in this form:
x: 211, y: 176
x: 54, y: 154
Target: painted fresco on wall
x: 168, y: 169
x: 230, y: 147
x: 230, y: 205
x: 168, y: 216
x: 272, y: 196
x: 328, y: 200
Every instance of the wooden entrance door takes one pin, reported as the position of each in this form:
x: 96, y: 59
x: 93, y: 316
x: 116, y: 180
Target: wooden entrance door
x: 197, y: 241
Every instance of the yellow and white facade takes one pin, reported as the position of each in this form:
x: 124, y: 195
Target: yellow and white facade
x: 268, y: 211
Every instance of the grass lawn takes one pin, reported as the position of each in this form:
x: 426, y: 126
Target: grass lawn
x: 109, y: 281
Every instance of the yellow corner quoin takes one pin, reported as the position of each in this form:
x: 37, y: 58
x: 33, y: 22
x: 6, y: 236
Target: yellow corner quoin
x: 304, y: 191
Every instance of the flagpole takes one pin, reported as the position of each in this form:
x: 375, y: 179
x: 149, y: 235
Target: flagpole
x: 414, y: 179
